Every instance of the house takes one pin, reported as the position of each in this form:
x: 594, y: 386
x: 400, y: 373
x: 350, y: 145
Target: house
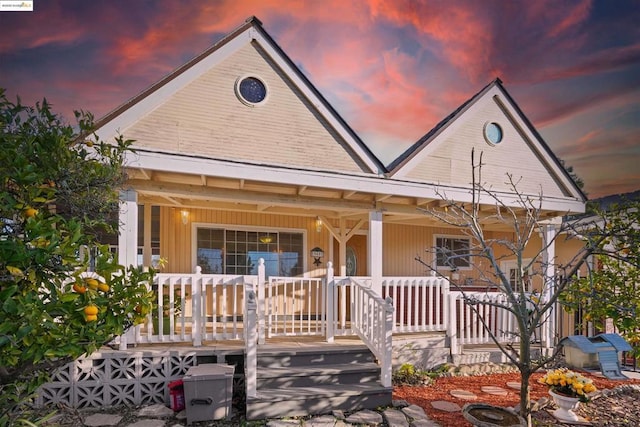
x: 270, y: 209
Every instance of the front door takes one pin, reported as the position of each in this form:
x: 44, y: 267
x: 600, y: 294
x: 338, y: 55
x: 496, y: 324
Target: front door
x: 356, y: 256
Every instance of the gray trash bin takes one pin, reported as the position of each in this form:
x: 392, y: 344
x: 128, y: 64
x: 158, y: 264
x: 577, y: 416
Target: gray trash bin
x: 208, y: 389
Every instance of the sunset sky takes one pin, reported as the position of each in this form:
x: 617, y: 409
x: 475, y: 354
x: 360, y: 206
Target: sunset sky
x: 392, y: 69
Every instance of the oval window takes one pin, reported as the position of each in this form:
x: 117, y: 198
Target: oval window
x: 493, y: 133
x: 251, y: 90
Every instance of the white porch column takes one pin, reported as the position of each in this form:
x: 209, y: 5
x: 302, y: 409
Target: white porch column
x: 375, y: 250
x: 548, y: 264
x: 128, y: 236
x: 128, y: 243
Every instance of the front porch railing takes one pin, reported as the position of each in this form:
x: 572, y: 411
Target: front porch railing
x: 192, y: 308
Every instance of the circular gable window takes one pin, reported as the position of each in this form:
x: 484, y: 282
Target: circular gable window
x: 493, y: 133
x: 251, y: 90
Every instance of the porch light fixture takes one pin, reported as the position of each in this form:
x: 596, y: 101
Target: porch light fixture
x: 318, y: 224
x: 184, y: 215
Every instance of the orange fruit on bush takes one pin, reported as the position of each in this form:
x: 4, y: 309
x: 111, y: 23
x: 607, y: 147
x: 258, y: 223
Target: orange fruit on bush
x: 91, y: 310
x: 79, y: 288
x: 91, y: 317
x: 29, y: 212
x: 92, y: 283
x: 103, y: 287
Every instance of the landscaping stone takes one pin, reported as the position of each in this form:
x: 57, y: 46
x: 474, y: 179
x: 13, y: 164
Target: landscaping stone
x: 443, y: 405
x: 399, y: 403
x: 96, y: 420
x: 321, y: 421
x: 463, y: 394
x: 156, y: 411
x: 282, y: 423
x: 494, y: 390
x: 415, y: 412
x: 365, y: 416
x: 424, y: 423
x: 514, y: 385
x: 148, y: 423
x: 338, y: 413
x: 395, y: 418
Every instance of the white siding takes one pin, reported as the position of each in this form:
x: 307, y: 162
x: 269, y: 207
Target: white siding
x: 206, y: 118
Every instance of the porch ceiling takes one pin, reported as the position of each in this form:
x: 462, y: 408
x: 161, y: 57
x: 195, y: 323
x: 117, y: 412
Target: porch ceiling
x: 244, y: 195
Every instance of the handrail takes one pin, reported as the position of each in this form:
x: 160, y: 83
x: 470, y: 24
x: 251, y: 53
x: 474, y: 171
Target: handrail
x: 371, y: 319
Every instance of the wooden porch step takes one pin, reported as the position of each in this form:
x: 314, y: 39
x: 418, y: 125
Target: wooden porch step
x: 316, y: 380
x: 308, y: 376
x: 299, y: 401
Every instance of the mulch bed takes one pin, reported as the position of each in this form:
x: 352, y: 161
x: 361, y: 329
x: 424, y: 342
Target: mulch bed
x: 440, y: 390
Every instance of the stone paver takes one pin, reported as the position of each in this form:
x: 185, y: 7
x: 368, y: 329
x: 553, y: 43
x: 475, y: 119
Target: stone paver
x: 463, y: 394
x: 395, y: 418
x: 97, y: 420
x: 514, y: 385
x: 156, y: 411
x: 321, y: 421
x: 365, y: 416
x: 424, y: 423
x: 148, y: 423
x: 415, y: 412
x: 443, y: 405
x: 494, y: 390
x: 283, y: 423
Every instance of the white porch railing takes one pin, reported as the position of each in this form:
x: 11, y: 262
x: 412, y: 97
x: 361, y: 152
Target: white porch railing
x: 294, y: 306
x: 465, y: 324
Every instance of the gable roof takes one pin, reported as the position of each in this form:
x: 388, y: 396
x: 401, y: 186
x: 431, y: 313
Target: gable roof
x: 422, y: 148
x: 250, y: 31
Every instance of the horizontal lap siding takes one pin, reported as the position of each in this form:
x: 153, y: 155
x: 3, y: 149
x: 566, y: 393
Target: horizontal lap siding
x: 207, y: 118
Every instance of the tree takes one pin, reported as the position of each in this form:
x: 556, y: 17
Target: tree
x: 615, y: 272
x: 62, y: 295
x: 524, y: 218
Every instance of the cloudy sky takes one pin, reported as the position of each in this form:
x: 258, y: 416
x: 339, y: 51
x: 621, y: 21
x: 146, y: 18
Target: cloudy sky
x: 392, y: 69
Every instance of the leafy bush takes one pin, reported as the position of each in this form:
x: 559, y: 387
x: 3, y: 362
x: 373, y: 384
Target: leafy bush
x: 58, y: 193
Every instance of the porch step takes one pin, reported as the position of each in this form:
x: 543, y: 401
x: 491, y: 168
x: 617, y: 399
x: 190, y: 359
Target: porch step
x: 300, y: 401
x: 295, y: 382
x: 349, y: 373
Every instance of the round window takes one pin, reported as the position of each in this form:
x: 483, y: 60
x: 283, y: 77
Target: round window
x: 493, y: 133
x: 251, y: 90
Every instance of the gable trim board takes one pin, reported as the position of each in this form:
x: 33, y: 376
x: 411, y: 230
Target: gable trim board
x: 250, y: 32
x: 494, y: 92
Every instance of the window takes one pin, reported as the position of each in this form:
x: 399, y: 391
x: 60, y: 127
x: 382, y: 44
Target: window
x: 510, y: 268
x: 221, y: 251
x: 453, y: 252
x: 251, y: 90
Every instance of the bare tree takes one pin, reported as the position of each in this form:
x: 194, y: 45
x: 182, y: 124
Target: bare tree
x: 522, y: 217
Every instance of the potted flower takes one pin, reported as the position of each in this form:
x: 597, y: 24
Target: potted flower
x: 568, y: 389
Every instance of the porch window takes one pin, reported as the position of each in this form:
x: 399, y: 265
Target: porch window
x: 452, y: 252
x: 223, y: 251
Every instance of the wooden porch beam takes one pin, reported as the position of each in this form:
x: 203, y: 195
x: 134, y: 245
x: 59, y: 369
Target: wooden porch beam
x: 347, y: 194
x: 382, y: 197
x: 188, y: 191
x: 302, y: 189
x: 146, y: 173
x: 171, y: 200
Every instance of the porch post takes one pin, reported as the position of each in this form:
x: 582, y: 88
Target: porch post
x: 375, y: 250
x: 331, y: 303
x: 261, y: 308
x: 128, y: 236
x: 128, y: 243
x: 196, y: 306
x: 252, y: 351
x: 548, y: 264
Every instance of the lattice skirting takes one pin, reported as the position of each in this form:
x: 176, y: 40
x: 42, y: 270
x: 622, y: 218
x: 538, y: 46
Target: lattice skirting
x: 116, y: 378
